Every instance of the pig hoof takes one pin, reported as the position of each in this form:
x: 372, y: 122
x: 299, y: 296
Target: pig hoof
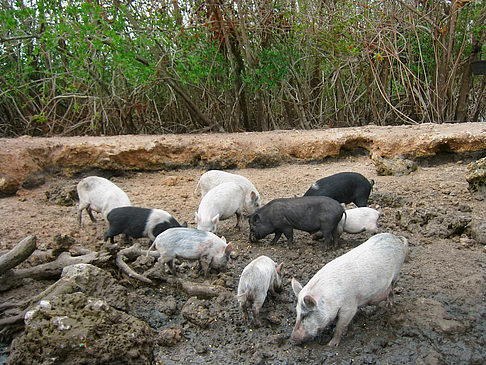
x: 334, y: 343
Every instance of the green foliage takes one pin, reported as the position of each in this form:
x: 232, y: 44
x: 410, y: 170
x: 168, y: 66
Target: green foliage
x: 132, y: 67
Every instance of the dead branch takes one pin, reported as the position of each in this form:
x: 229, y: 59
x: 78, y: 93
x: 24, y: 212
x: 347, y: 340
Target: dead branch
x: 133, y: 252
x: 18, y: 254
x: 197, y: 290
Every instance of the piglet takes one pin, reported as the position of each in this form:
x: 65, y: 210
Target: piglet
x: 345, y: 187
x: 365, y: 275
x: 138, y: 222
x: 258, y: 277
x: 213, y: 178
x: 357, y: 220
x: 101, y: 195
x: 192, y: 244
x: 221, y: 202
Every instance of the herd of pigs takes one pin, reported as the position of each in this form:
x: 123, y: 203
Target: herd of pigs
x: 364, y: 275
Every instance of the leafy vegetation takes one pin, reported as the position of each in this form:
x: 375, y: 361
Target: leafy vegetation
x: 117, y: 67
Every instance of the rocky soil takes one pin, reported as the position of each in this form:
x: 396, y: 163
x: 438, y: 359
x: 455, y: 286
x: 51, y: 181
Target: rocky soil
x: 439, y: 316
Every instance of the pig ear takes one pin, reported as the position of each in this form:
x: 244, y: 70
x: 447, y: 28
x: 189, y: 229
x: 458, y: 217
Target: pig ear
x: 255, y: 217
x: 228, y: 249
x: 279, y: 268
x: 296, y: 286
x: 252, y: 195
x: 310, y: 301
x: 223, y: 238
x: 215, y: 219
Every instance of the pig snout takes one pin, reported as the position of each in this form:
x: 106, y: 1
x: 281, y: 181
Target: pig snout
x: 252, y: 238
x: 299, y: 335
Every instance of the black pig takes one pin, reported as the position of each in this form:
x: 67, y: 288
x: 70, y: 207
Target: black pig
x: 345, y: 187
x: 138, y: 222
x: 308, y: 213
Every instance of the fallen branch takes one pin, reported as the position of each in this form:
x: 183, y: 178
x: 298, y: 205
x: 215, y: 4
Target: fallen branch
x: 18, y: 254
x: 133, y: 252
x: 197, y: 290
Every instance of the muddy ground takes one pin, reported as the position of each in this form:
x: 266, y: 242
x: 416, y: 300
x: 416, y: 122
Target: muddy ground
x: 439, y: 314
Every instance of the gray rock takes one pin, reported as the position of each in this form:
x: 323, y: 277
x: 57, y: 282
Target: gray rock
x: 79, y: 329
x: 478, y: 231
x: 395, y: 166
x: 98, y: 283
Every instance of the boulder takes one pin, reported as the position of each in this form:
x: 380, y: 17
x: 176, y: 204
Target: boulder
x: 79, y: 329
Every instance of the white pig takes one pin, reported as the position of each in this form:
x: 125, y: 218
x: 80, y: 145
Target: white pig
x: 101, y: 195
x: 212, y: 178
x: 192, y: 244
x: 364, y: 275
x: 258, y: 277
x: 221, y: 202
x: 358, y: 220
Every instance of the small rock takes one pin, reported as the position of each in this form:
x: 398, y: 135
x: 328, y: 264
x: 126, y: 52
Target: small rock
x: 395, y: 166
x: 169, y: 336
x: 476, y: 175
x: 8, y: 185
x: 196, y: 312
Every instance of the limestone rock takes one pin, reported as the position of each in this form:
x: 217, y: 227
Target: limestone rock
x: 396, y: 166
x: 476, y: 175
x: 98, y: 283
x: 21, y: 156
x: 78, y: 329
x: 8, y: 185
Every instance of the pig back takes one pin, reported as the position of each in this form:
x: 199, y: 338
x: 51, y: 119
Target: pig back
x: 188, y: 243
x: 361, y: 274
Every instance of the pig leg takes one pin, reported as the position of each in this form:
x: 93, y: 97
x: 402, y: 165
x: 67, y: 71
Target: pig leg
x: 344, y: 318
x: 277, y: 236
x: 244, y: 311
x: 205, y: 264
x: 289, y: 233
x: 238, y: 220
x: 255, y: 309
x: 90, y: 213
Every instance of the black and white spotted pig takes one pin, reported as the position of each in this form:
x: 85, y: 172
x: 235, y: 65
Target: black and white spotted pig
x: 138, y: 222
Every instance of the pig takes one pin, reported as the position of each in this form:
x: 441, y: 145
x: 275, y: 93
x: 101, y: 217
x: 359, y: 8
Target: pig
x: 358, y: 220
x: 192, y: 244
x: 138, y: 222
x: 308, y: 213
x: 221, y: 202
x: 212, y: 178
x: 364, y: 275
x: 345, y: 187
x: 258, y: 277
x: 101, y: 195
